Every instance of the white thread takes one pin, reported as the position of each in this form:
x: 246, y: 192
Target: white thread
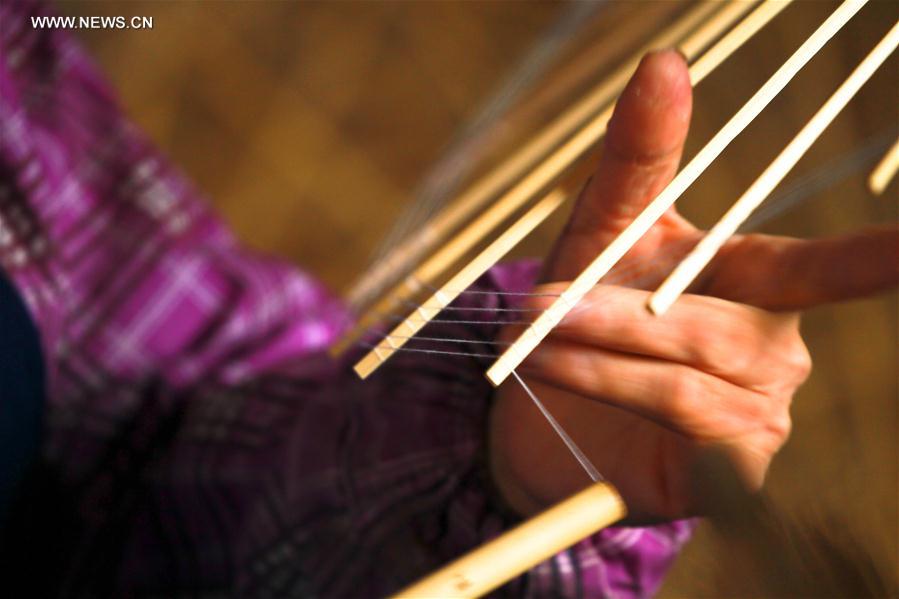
x: 579, y: 455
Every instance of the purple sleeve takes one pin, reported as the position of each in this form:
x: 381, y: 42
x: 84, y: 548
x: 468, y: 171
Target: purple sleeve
x: 205, y: 440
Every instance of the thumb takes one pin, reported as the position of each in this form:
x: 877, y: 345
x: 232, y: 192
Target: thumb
x: 642, y: 149
x: 780, y: 273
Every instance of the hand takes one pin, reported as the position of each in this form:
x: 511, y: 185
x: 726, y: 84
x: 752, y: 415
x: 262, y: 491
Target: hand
x: 645, y: 396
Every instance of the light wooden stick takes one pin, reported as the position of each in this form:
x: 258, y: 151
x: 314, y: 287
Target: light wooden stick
x: 885, y: 170
x: 465, y: 277
x: 703, y: 36
x: 486, y: 189
x: 523, y: 547
x: 702, y: 254
x: 531, y: 186
x: 603, y: 263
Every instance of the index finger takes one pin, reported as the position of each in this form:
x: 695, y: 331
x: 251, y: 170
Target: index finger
x: 642, y: 150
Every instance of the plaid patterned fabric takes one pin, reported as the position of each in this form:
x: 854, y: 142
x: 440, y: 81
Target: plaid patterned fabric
x: 197, y: 436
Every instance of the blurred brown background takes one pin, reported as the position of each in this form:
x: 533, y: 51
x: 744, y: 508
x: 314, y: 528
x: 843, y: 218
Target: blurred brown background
x: 310, y: 124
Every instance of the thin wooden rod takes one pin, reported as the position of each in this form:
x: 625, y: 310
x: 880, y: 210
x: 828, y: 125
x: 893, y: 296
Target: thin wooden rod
x: 708, y: 31
x: 516, y: 551
x: 705, y: 250
x: 885, y: 170
x: 610, y: 256
x: 511, y: 201
x: 441, y: 298
x: 474, y: 199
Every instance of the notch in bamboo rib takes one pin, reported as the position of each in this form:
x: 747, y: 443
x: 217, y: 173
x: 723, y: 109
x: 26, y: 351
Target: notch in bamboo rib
x: 526, y: 190
x: 885, y: 170
x: 705, y: 250
x: 402, y: 258
x: 603, y: 263
x: 462, y: 280
x: 523, y: 547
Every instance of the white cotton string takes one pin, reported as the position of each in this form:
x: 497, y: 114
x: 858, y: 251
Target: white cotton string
x: 395, y: 318
x: 427, y: 351
x: 822, y: 178
x: 448, y: 340
x: 579, y: 455
x: 485, y: 292
x: 411, y: 304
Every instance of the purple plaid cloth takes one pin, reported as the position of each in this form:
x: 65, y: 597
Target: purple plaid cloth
x: 204, y: 442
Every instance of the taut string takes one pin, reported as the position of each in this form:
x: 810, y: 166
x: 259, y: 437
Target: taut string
x: 579, y: 455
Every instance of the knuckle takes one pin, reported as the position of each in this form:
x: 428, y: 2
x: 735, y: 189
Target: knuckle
x: 595, y: 310
x: 705, y: 344
x: 682, y: 393
x: 739, y: 359
x: 781, y: 426
x: 797, y: 358
x: 723, y: 343
x: 775, y: 425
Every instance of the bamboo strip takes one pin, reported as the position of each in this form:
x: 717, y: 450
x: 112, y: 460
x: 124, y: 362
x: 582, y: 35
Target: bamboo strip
x: 603, y: 263
x: 705, y: 250
x: 523, y: 547
x: 885, y: 170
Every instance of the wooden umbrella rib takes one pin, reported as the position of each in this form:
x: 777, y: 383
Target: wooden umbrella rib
x: 885, y: 170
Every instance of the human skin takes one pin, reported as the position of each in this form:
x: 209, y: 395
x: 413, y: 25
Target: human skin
x: 646, y: 397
